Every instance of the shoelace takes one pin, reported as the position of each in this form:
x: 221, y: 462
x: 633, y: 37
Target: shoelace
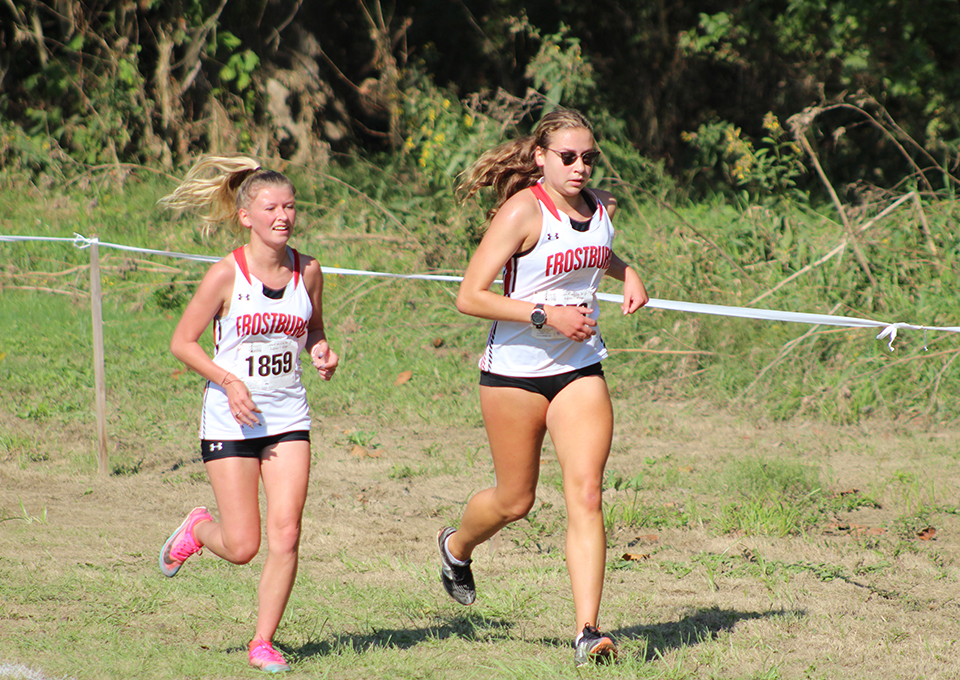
x: 591, y: 633
x: 264, y: 651
x: 185, y: 547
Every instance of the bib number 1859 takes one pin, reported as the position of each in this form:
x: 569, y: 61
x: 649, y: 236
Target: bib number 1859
x: 269, y: 365
x: 266, y: 365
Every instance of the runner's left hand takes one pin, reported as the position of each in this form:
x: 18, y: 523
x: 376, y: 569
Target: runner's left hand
x: 324, y: 359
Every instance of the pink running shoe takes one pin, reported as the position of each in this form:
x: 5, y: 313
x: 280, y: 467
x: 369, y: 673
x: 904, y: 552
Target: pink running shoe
x: 266, y: 658
x: 181, y: 543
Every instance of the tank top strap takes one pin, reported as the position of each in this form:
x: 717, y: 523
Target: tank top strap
x: 297, y: 274
x: 544, y: 198
x: 240, y: 255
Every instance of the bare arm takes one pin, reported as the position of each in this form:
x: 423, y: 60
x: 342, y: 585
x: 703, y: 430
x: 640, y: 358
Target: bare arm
x: 634, y: 292
x: 325, y: 360
x: 211, y: 299
x: 207, y: 302
x: 609, y: 201
x: 514, y: 228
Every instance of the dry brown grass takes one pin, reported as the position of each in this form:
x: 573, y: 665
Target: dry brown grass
x: 859, y: 596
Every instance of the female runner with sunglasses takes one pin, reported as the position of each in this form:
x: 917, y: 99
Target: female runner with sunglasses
x: 541, y: 371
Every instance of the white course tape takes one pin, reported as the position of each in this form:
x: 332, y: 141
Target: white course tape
x: 889, y: 329
x: 386, y: 275
x: 83, y: 242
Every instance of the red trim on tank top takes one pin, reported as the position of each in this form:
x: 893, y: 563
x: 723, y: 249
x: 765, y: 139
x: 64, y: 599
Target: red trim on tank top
x: 510, y: 276
x: 541, y: 194
x: 241, y: 257
x: 599, y: 202
x: 544, y: 198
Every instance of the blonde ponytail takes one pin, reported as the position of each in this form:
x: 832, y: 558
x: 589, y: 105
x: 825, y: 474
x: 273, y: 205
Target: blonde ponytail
x: 235, y: 183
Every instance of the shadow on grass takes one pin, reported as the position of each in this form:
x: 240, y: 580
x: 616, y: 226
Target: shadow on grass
x: 466, y: 626
x: 693, y: 629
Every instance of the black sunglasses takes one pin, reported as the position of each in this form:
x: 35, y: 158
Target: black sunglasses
x: 570, y: 157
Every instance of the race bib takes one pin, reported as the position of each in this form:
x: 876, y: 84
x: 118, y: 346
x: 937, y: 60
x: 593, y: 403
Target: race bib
x: 558, y: 297
x: 268, y: 366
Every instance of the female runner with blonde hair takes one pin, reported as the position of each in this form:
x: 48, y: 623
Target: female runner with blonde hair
x: 265, y: 301
x: 552, y: 238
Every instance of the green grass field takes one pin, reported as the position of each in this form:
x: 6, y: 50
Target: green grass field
x: 780, y: 500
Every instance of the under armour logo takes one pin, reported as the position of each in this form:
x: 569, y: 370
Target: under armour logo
x: 216, y: 446
x: 552, y: 236
x: 240, y: 296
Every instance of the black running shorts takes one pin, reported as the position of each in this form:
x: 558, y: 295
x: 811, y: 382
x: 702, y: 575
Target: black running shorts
x: 214, y: 449
x: 549, y: 386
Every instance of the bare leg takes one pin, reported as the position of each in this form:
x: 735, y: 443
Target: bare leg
x: 286, y: 475
x: 285, y: 469
x: 580, y: 422
x: 236, y: 485
x: 515, y: 420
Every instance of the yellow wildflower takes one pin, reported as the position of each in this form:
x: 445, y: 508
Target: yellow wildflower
x: 742, y: 167
x: 771, y: 123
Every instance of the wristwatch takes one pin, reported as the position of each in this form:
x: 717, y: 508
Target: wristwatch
x: 538, y: 317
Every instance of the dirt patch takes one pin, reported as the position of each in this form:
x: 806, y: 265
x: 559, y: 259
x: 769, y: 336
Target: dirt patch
x: 867, y: 592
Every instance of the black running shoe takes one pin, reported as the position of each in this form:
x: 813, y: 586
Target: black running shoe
x: 457, y: 580
x: 594, y: 646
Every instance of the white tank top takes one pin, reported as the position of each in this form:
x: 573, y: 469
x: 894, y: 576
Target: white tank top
x: 563, y: 268
x: 260, y: 341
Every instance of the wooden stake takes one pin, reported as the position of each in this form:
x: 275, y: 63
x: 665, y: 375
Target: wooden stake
x: 100, y: 389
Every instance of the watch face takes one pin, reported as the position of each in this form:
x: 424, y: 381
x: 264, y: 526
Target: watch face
x: 538, y: 317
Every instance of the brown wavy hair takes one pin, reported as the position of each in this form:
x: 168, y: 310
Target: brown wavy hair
x: 510, y: 167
